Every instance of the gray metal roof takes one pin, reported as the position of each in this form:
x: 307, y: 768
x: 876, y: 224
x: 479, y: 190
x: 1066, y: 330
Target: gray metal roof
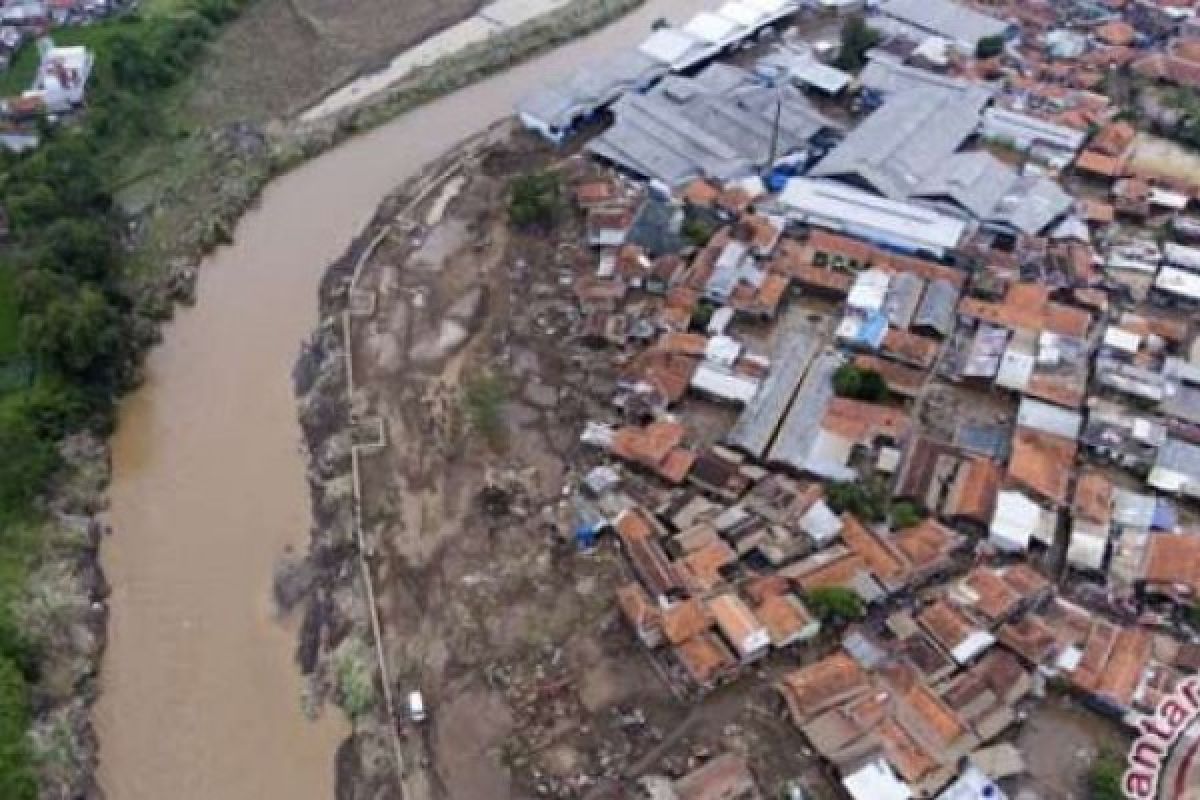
x: 1031, y: 204
x: 717, y: 125
x: 903, y: 295
x: 887, y: 74
x: 591, y: 88
x: 897, y: 147
x: 798, y: 435
x: 1179, y: 456
x: 976, y: 182
x: 1047, y: 418
x: 945, y: 18
x: 938, y: 309
x: 757, y: 424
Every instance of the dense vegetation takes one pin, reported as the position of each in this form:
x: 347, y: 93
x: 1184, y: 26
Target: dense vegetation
x: 989, y: 46
x: 859, y: 384
x: 70, y: 331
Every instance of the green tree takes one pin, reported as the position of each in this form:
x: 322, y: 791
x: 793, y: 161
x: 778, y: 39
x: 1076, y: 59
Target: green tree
x: 82, y: 248
x: 17, y: 781
x: 79, y: 335
x: 865, y: 501
x: 857, y: 38
x: 835, y: 604
x: 905, y: 515
x: 28, y: 460
x: 989, y: 47
x: 859, y: 384
x: 535, y: 200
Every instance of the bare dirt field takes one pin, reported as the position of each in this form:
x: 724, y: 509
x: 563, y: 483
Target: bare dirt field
x: 1060, y: 741
x: 535, y: 686
x: 311, y: 46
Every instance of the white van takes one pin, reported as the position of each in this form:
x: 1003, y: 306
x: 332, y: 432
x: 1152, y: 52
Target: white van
x: 416, y: 706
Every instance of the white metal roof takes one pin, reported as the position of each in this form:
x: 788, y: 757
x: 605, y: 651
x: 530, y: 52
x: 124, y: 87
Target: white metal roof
x: 1178, y: 281
x: 841, y: 206
x: 1086, y: 549
x: 1015, y: 521
x: 1168, y: 199
x: 668, y: 45
x: 745, y: 15
x: 712, y: 28
x: 972, y: 646
x: 820, y: 523
x: 1121, y: 339
x: 1182, y: 256
x: 724, y: 384
x: 1039, y: 416
x: 876, y: 781
x: 869, y: 290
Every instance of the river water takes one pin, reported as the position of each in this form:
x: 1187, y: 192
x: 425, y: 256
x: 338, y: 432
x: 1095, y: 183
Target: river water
x: 201, y: 699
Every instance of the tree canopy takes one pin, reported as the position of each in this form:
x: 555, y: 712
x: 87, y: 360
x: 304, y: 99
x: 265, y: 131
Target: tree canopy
x: 857, y: 38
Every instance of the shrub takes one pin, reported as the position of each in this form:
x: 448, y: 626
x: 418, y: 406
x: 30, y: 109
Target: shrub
x: 535, y: 200
x: 697, y: 232
x: 989, y: 47
x: 483, y: 400
x: 1104, y: 778
x: 834, y: 604
x: 905, y: 515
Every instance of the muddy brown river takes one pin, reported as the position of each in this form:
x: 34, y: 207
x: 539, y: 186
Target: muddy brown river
x: 201, y: 699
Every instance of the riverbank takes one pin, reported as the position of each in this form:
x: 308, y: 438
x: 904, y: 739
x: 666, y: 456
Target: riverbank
x: 226, y: 350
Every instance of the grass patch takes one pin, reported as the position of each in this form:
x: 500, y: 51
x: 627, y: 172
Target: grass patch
x: 484, y: 398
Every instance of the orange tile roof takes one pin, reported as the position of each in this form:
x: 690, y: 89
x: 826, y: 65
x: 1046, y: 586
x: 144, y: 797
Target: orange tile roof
x: 899, y: 379
x: 811, y: 689
x: 828, y: 280
x: 885, y: 562
x: 910, y: 348
x: 684, y: 620
x: 784, y: 616
x: 1098, y: 211
x: 973, y: 493
x: 1173, y: 559
x: 1025, y: 580
x: 996, y: 599
x: 669, y: 373
x: 649, y: 445
x: 637, y: 607
x: 905, y: 753
x: 926, y: 544
x: 691, y: 344
x: 1116, y: 33
x: 1027, y: 306
x: 1113, y: 139
x: 946, y: 624
x: 1029, y: 638
x: 1042, y: 463
x: 1100, y: 164
x: 705, y: 658
x: 701, y: 569
x: 862, y: 421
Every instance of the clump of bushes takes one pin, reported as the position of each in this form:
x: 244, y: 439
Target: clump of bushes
x: 535, y: 200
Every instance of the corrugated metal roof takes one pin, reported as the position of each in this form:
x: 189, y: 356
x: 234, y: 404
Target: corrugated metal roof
x: 798, y: 434
x: 938, y: 307
x: 756, y: 427
x: 896, y: 147
x: 717, y: 125
x: 945, y: 18
x: 834, y: 205
x: 1039, y: 416
x: 887, y: 74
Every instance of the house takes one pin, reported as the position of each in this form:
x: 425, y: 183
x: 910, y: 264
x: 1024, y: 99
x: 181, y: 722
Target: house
x: 738, y: 625
x: 726, y: 777
x: 62, y: 76
x: 961, y: 639
x: 1042, y: 463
